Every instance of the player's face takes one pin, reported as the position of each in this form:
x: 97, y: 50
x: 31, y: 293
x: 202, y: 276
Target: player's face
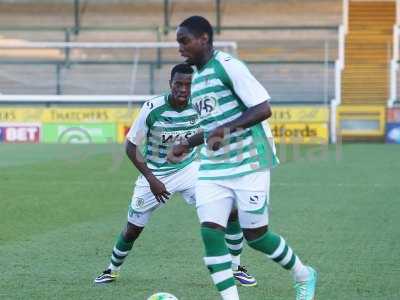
x: 190, y: 46
x: 180, y: 89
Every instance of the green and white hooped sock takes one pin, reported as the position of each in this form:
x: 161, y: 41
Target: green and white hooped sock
x: 276, y: 248
x: 234, y: 241
x: 119, y: 253
x: 218, y: 261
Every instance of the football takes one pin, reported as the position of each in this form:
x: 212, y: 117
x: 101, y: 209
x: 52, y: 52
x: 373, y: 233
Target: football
x: 162, y: 296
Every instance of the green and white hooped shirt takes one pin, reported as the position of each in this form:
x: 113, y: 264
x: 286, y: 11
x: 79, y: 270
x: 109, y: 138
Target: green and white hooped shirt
x: 157, y: 128
x: 221, y: 91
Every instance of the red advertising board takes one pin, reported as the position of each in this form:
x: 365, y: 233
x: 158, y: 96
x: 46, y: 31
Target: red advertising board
x: 19, y: 133
x: 123, y: 129
x: 393, y: 115
x: 393, y: 126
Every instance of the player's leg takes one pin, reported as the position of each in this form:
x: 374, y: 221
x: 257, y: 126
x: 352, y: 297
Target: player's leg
x: 253, y: 216
x: 276, y: 248
x: 214, y: 205
x: 234, y: 235
x: 142, y: 205
x: 124, y: 245
x: 137, y: 219
x: 234, y: 241
x: 234, y: 238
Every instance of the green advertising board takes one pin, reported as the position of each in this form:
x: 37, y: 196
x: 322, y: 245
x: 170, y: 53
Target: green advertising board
x: 96, y: 133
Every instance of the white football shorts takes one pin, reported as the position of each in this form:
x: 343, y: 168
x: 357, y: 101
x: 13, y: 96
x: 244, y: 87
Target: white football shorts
x: 249, y: 194
x: 143, y: 202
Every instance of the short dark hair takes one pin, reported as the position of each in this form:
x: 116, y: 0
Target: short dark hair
x: 198, y: 25
x: 181, y: 68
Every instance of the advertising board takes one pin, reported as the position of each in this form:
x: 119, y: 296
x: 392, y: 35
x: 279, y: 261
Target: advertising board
x: 19, y: 133
x: 79, y: 133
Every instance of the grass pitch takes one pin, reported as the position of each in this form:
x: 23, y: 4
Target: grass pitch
x: 62, y: 206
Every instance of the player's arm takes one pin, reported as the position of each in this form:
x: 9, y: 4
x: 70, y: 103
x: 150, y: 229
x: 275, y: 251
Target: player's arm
x: 252, y: 116
x: 252, y: 94
x: 137, y: 159
x: 176, y: 152
x: 135, y: 137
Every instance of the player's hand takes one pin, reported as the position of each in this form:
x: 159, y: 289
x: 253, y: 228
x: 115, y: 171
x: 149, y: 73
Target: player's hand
x: 176, y: 153
x: 158, y: 189
x: 215, y: 138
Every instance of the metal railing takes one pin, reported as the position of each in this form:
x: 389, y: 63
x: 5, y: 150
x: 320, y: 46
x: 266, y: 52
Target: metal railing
x: 339, y: 66
x: 67, y: 32
x: 283, y: 90
x: 394, y: 63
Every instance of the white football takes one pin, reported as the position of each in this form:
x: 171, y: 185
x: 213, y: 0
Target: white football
x: 162, y: 296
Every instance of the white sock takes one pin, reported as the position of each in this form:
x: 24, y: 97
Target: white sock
x: 235, y: 262
x: 300, y: 272
x: 114, y: 268
x: 230, y: 294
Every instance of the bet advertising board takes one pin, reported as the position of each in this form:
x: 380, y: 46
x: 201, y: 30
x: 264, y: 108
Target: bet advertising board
x: 20, y: 133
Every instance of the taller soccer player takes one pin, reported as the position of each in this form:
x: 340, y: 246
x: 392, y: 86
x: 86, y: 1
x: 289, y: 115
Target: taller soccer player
x: 235, y: 164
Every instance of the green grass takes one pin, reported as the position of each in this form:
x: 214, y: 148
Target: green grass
x: 62, y: 206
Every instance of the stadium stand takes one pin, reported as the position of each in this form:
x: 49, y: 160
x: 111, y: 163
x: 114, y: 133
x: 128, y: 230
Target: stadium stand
x: 296, y: 56
x: 150, y: 12
x: 369, y: 45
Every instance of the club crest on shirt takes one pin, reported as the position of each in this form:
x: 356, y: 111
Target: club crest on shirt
x: 205, y: 105
x: 139, y: 202
x: 193, y: 120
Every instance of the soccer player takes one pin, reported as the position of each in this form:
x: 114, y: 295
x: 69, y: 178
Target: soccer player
x: 163, y: 121
x: 236, y: 161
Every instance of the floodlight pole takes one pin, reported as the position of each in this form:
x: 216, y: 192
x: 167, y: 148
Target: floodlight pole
x: 58, y: 79
x: 218, y: 16
x: 76, y: 17
x: 67, y: 39
x: 166, y: 16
